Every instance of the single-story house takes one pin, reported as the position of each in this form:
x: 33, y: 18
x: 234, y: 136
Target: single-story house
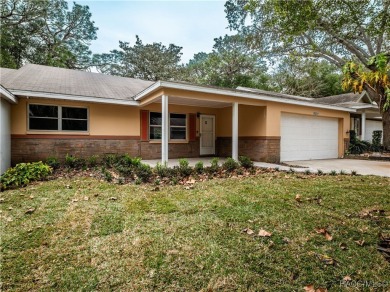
x: 51, y: 112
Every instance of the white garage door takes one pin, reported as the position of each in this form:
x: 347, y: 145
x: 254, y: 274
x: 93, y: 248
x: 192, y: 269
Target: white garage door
x: 308, y: 137
x: 372, y: 126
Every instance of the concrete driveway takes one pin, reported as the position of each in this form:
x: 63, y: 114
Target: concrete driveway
x: 364, y: 167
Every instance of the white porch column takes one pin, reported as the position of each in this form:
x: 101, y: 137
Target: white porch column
x: 363, y: 125
x: 164, y: 129
x: 235, y: 131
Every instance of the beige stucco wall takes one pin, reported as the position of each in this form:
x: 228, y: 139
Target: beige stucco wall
x: 104, y: 119
x: 251, y: 121
x: 256, y: 118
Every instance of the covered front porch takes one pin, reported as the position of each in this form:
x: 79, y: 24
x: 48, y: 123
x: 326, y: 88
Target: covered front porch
x: 209, y: 126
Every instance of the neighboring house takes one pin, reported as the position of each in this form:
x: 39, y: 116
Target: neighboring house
x: 61, y: 111
x: 367, y: 117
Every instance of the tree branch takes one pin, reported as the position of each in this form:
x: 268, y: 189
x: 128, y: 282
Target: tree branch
x: 382, y: 27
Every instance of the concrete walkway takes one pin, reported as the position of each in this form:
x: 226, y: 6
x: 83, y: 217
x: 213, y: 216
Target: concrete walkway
x: 363, y: 167
x: 192, y: 161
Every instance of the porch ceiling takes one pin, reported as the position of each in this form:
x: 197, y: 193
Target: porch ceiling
x: 194, y: 102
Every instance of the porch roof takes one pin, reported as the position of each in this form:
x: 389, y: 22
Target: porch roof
x: 259, y: 95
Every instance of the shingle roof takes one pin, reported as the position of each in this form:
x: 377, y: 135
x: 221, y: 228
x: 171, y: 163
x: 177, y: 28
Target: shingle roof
x: 340, y: 99
x: 6, y: 74
x: 47, y: 79
x: 275, y: 94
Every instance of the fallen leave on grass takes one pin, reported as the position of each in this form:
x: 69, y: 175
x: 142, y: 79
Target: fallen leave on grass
x: 347, y: 279
x: 311, y: 288
x: 248, y: 231
x: 264, y: 233
x: 325, y: 233
x: 30, y: 211
x: 360, y: 242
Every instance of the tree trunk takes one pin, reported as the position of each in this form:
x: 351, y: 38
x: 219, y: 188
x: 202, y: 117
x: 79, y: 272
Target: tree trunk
x: 381, y: 100
x: 386, y: 129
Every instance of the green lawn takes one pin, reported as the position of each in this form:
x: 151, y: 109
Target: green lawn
x: 90, y: 235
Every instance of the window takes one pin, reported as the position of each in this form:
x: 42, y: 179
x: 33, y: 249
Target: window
x: 177, y: 126
x: 155, y: 126
x: 43, y: 117
x: 57, y: 118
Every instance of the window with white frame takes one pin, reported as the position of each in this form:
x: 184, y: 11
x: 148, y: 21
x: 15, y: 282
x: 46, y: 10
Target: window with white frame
x: 177, y: 126
x: 57, y: 118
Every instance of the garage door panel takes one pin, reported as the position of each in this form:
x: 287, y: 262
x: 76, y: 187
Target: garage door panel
x: 372, y: 126
x: 305, y: 137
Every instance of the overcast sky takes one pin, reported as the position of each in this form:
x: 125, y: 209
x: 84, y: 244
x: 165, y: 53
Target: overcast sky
x: 192, y: 25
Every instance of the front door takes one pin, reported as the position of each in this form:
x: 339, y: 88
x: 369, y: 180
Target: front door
x: 207, y: 135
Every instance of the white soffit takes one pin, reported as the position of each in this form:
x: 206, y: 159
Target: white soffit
x: 74, y: 97
x: 197, y: 88
x: 194, y: 102
x: 7, y: 95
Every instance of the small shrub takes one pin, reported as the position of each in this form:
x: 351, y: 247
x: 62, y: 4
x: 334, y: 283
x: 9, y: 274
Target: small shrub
x: 109, y: 160
x: 70, y: 161
x: 214, y: 165
x: 333, y: 172
x: 143, y: 172
x: 162, y: 169
x: 184, y: 167
x: 307, y: 171
x: 230, y: 164
x: 245, y: 162
x: 74, y: 162
x: 157, y: 182
x: 215, y: 162
x: 52, y: 162
x: 174, y: 181
x: 138, y: 181
x: 353, y: 172
x: 357, y: 146
x: 106, y: 174
x: 291, y: 170
x: 81, y: 163
x: 376, y: 141
x: 124, y: 170
x: 173, y: 172
x: 276, y: 168
x: 121, y: 180
x: 320, y: 172
x: 92, y: 160
x: 342, y: 172
x: 24, y: 173
x: 123, y: 160
x: 199, y: 168
x: 136, y: 161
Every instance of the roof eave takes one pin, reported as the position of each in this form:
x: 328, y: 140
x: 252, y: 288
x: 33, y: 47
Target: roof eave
x: 74, y: 97
x: 6, y: 94
x: 368, y: 106
x: 197, y: 88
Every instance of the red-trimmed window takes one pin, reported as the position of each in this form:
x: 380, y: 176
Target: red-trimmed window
x: 177, y: 126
